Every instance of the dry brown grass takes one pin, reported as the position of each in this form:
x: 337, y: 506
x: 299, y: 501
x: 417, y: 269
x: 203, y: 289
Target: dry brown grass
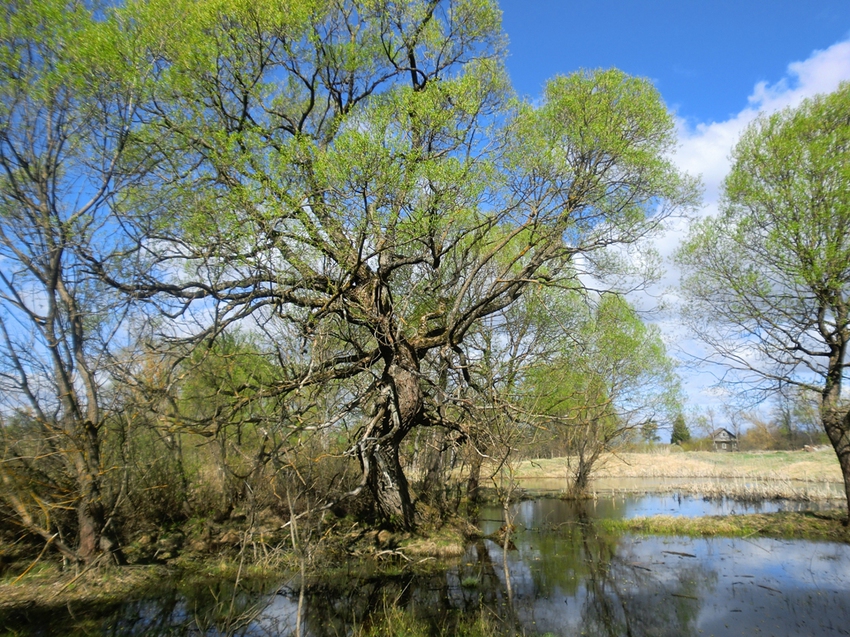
x: 818, y: 466
x: 49, y: 586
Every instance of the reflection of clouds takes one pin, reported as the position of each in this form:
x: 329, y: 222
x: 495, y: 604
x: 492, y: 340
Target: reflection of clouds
x: 281, y: 614
x: 595, y: 584
x: 671, y: 585
x: 775, y: 586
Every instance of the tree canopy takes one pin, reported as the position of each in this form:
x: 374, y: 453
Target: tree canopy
x: 768, y: 280
x: 360, y: 175
x: 351, y: 183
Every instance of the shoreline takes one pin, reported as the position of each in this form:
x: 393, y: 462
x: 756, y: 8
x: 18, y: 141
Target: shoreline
x: 48, y: 586
x: 44, y: 584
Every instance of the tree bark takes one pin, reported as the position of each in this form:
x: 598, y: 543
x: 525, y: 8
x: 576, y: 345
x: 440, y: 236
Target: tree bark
x: 400, y: 409
x: 473, y: 483
x: 837, y: 427
x: 94, y: 538
x: 432, y: 486
x: 835, y: 416
x: 389, y: 487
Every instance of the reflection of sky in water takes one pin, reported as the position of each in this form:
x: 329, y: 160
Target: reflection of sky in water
x: 550, y: 512
x: 567, y: 577
x: 682, y: 586
x: 641, y: 585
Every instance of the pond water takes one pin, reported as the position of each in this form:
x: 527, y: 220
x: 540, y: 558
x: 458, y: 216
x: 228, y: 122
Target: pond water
x: 543, y: 510
x: 563, y: 576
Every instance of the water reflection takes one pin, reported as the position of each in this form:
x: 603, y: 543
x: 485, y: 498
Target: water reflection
x: 566, y: 576
x: 570, y: 577
x: 619, y: 506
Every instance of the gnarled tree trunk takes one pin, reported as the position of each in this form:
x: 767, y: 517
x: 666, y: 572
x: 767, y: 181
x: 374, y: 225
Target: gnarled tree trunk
x: 836, y: 423
x: 399, y: 409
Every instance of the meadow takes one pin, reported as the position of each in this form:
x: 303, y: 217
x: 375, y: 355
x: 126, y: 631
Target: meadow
x: 758, y: 475
x: 817, y: 466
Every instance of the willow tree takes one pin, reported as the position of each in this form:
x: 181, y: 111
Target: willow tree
x: 604, y: 381
x: 768, y: 280
x: 359, y: 173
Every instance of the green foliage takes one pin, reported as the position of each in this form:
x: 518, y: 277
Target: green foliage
x: 606, y: 377
x: 773, y: 270
x: 351, y: 182
x: 681, y: 433
x: 768, y: 280
x: 611, y: 366
x: 649, y: 431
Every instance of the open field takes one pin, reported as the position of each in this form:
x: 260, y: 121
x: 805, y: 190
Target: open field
x: 818, y: 466
x: 768, y: 475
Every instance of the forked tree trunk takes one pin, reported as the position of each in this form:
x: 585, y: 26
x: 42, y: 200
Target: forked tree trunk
x: 400, y: 411
x: 94, y: 539
x: 90, y: 523
x: 389, y: 487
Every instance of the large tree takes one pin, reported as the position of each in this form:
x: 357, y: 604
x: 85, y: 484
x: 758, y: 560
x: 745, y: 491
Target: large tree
x: 358, y: 173
x: 768, y: 280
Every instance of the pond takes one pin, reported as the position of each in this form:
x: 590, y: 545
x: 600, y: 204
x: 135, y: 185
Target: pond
x: 563, y: 576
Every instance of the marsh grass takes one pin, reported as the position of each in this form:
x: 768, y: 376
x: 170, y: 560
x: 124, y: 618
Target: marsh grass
x: 818, y: 466
x: 395, y: 621
x: 826, y: 526
x: 52, y: 586
x: 759, y: 489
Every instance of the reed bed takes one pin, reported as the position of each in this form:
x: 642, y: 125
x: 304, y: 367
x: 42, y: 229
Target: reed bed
x: 800, y: 476
x: 826, y: 526
x: 756, y: 490
x: 818, y: 466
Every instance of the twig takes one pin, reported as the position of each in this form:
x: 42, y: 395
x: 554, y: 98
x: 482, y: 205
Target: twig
x: 29, y: 568
x: 78, y: 576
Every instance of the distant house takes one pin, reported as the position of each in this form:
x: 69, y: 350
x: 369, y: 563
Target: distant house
x: 724, y: 440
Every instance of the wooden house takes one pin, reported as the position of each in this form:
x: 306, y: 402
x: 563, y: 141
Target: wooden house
x: 724, y: 440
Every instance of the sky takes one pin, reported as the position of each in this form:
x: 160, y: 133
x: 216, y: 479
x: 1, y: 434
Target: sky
x: 716, y: 64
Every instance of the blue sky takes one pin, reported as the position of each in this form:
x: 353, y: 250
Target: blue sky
x: 716, y: 64
x: 704, y: 57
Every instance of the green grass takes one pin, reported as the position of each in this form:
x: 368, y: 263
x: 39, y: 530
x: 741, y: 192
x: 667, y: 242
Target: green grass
x: 825, y: 526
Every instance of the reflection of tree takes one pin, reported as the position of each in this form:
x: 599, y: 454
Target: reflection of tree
x: 217, y: 607
x: 610, y: 591
x: 441, y: 603
x: 624, y: 598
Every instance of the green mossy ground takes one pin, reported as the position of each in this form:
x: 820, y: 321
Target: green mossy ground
x: 827, y: 526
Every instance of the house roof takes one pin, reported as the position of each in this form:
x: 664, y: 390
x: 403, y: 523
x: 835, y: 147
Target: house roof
x: 723, y: 433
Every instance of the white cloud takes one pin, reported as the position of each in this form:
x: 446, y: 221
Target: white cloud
x: 705, y: 147
x: 704, y: 150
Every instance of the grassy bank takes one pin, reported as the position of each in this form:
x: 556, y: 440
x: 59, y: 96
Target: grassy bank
x: 42, y: 582
x: 827, y: 526
x: 49, y: 586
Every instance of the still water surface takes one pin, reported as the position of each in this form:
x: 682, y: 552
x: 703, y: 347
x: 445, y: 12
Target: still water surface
x: 564, y: 576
